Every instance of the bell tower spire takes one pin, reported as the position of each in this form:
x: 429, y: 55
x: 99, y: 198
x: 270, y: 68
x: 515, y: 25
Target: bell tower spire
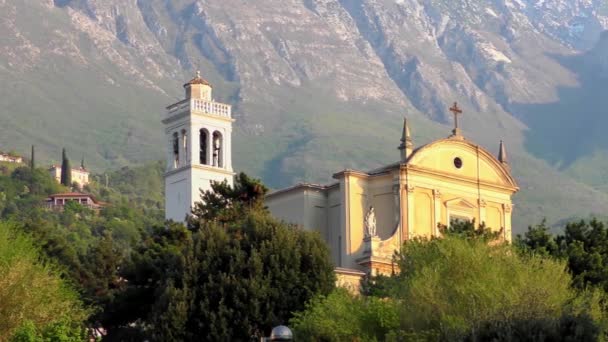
x: 407, y: 146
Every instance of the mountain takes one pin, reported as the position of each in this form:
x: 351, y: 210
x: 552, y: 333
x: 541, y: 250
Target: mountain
x: 319, y: 85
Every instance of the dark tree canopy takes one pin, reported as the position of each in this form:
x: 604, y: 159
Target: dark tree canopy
x: 235, y: 273
x: 240, y: 279
x: 226, y: 203
x: 584, y: 244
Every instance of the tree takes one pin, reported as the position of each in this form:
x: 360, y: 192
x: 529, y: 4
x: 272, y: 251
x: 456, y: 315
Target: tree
x: 468, y: 230
x: 152, y: 263
x: 225, y: 203
x: 462, y: 288
x: 454, y: 287
x: 239, y: 280
x: 66, y: 170
x: 32, y: 290
x: 538, y: 240
x: 64, y: 331
x: 241, y: 272
x: 341, y: 316
x: 32, y: 159
x: 583, y: 244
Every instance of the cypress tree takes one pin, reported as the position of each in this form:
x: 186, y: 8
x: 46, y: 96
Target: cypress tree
x: 32, y: 159
x: 33, y: 187
x: 66, y: 170
x: 63, y: 166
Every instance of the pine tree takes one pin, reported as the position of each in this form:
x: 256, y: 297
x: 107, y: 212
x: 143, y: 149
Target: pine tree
x: 66, y: 170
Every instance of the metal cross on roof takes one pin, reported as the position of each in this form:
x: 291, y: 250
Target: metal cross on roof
x: 456, y: 111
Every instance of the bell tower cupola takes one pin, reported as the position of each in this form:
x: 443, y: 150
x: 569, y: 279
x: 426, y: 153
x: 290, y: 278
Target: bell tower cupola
x: 198, y: 88
x: 198, y: 134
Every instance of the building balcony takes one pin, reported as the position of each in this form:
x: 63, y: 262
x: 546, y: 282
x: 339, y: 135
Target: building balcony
x: 201, y: 106
x: 60, y: 207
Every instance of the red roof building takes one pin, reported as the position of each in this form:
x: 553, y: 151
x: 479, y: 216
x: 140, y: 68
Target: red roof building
x: 58, y: 201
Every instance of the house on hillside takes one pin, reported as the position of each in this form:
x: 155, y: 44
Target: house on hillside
x: 10, y: 158
x: 80, y: 175
x: 58, y: 201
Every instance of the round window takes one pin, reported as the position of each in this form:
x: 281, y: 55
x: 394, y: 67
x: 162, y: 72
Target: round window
x: 458, y: 162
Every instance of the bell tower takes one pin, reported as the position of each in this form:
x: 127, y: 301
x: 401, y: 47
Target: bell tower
x: 198, y: 135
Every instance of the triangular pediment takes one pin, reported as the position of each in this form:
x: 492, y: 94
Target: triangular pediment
x: 459, y: 202
x: 463, y: 160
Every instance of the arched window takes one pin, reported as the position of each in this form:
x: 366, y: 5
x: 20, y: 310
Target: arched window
x: 185, y: 145
x: 203, y: 136
x: 218, y: 149
x: 175, y: 150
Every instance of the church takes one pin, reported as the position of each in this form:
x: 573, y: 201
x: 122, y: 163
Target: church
x: 364, y: 216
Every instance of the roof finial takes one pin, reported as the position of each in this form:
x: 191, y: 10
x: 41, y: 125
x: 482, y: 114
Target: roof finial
x: 456, y: 111
x: 502, y: 154
x: 198, y: 74
x: 407, y: 145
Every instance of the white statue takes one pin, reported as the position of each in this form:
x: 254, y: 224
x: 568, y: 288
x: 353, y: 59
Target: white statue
x: 370, y: 223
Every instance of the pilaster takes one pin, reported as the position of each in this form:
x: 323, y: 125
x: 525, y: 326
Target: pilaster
x: 410, y: 210
x: 436, y: 211
x: 193, y: 145
x: 507, y: 209
x: 482, y: 210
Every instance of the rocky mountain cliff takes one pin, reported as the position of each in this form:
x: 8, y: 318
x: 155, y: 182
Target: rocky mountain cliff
x: 319, y: 85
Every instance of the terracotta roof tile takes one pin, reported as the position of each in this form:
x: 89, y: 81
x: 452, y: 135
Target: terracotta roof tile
x: 197, y: 80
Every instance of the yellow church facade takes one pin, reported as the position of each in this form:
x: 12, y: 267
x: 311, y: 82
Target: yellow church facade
x: 365, y: 216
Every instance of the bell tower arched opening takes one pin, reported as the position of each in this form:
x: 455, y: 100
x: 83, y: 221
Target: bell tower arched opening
x: 218, y: 149
x: 175, y: 149
x: 185, y: 146
x: 203, y: 138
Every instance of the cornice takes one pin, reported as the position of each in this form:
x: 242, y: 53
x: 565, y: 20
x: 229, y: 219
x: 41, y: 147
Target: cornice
x: 199, y: 167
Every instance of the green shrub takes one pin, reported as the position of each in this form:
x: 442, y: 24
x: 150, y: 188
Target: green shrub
x: 32, y: 290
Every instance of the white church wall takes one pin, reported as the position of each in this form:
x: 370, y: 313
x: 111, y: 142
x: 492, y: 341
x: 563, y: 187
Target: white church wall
x: 288, y: 206
x: 315, y: 207
x: 303, y: 206
x: 177, y: 198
